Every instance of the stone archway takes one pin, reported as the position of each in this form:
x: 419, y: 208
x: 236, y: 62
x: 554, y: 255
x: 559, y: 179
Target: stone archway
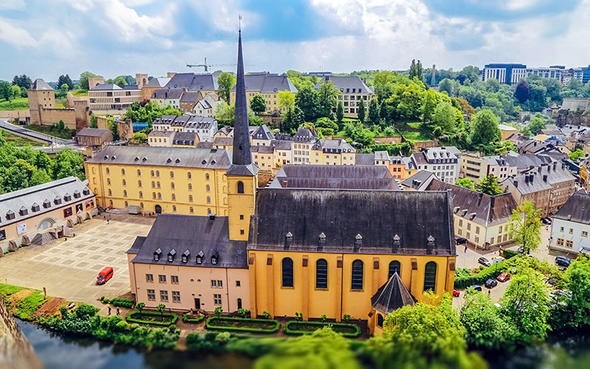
x: 46, y: 224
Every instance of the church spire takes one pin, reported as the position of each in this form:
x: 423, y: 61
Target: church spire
x: 241, y: 144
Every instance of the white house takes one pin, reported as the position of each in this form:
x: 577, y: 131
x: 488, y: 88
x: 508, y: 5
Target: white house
x: 570, y: 230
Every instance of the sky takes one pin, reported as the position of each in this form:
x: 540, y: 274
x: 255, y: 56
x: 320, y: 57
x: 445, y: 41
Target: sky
x: 46, y: 38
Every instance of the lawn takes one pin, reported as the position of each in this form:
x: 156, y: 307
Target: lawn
x: 20, y: 103
x: 53, y: 131
x: 415, y: 136
x: 7, y: 289
x: 79, y: 92
x: 17, y: 140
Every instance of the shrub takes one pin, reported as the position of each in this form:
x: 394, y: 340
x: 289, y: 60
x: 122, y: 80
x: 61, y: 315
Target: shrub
x: 208, y: 342
x: 265, y: 315
x: 105, y: 300
x: 296, y: 328
x: 121, y: 302
x: 483, y: 275
x: 149, y: 317
x: 243, y: 325
x: 510, y: 254
x: 27, y: 307
x: 194, y: 319
x: 85, y: 311
x: 243, y: 313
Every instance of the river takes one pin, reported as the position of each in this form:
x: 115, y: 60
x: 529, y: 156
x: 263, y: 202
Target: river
x: 55, y: 350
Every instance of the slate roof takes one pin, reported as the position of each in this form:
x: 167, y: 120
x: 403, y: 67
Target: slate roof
x: 525, y: 161
x: 92, y: 132
x: 304, y: 135
x: 392, y: 296
x: 337, y: 146
x: 419, y: 181
x: 281, y: 144
x: 184, y: 138
x: 268, y: 83
x: 263, y: 133
x: 364, y: 159
x: 106, y: 86
x: 262, y: 149
x: 200, y: 122
x: 157, y: 82
x: 223, y: 141
x: 347, y: 83
x: 194, y: 234
x: 576, y: 208
x: 168, y: 93
x: 190, y: 96
x: 343, y: 215
x: 193, y: 81
x: 540, y: 178
x: 335, y: 176
x: 163, y: 156
x: 168, y: 134
x: 476, y: 206
x: 40, y: 85
x: 20, y: 204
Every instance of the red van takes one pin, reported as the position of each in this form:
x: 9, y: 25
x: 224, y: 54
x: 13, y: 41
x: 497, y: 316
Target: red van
x: 105, y: 274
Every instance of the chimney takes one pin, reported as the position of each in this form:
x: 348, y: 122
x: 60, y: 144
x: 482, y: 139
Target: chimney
x: 358, y: 242
x: 288, y: 240
x: 211, y: 216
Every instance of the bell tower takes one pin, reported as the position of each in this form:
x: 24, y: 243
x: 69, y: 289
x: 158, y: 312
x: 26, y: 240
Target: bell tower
x: 242, y: 176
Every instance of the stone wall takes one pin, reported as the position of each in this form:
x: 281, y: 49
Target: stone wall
x: 15, y: 351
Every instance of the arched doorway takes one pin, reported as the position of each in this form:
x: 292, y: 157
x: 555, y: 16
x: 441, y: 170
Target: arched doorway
x: 158, y: 209
x: 45, y: 224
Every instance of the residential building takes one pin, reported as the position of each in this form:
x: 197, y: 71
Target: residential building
x: 268, y: 86
x: 203, y: 82
x: 332, y: 152
x: 168, y: 97
x: 206, y: 105
x: 481, y: 219
x: 264, y: 157
x: 477, y: 167
x: 353, y: 90
x: 303, y: 142
x: 94, y: 137
x: 163, y: 123
x: 444, y: 162
x: 205, y: 127
x: 262, y: 136
x: 419, y: 181
x: 109, y: 97
x: 571, y: 225
x: 155, y: 83
x: 506, y: 131
x: 188, y: 103
x: 185, y: 139
x: 160, y: 138
x: 36, y: 214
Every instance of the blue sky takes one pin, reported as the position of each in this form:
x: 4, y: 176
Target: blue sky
x: 45, y: 38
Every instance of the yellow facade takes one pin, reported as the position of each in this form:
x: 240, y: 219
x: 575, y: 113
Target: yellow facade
x: 180, y: 190
x: 241, y: 198
x: 339, y: 299
x: 320, y: 157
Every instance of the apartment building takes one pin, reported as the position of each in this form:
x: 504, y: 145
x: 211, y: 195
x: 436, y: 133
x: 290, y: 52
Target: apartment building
x: 570, y: 230
x: 444, y: 162
x: 109, y: 97
x: 477, y: 167
x: 353, y: 91
x: 332, y: 152
x: 268, y: 86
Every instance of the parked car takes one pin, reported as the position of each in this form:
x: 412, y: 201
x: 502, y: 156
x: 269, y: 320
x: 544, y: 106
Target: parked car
x: 491, y: 283
x: 503, y: 277
x: 456, y: 292
x: 562, y: 261
x: 497, y: 260
x: 484, y: 261
x: 476, y: 287
x: 546, y: 221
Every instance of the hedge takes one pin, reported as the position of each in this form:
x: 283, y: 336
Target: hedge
x: 225, y: 324
x: 482, y: 276
x: 510, y: 254
x: 125, y: 303
x: 135, y: 317
x: 188, y: 318
x: 297, y: 328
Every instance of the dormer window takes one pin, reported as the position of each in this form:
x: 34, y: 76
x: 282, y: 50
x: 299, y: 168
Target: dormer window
x: 86, y: 192
x: 46, y: 204
x: 358, y: 241
x: 185, y: 256
x: 171, y: 255
x: 200, y: 257
x: 430, y: 244
x: 396, y: 242
x: 10, y: 215
x: 67, y: 197
x: 157, y: 254
x: 57, y: 200
x: 215, y: 258
x: 35, y: 207
x: 77, y: 194
x: 23, y: 211
x: 288, y: 240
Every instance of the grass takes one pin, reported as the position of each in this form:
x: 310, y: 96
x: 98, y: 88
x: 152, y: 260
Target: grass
x: 414, y: 125
x: 8, y: 289
x: 50, y: 130
x: 59, y: 103
x: 20, y: 103
x: 415, y: 136
x: 17, y: 140
x: 79, y: 92
x: 27, y: 307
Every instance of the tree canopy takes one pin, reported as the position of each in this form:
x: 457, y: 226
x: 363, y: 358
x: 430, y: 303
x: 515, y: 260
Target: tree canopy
x: 226, y: 82
x: 525, y: 226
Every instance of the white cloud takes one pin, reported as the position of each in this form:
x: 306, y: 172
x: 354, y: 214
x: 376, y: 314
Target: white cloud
x: 12, y: 4
x: 15, y: 35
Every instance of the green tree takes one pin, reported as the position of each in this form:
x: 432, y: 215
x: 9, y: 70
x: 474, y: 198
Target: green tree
x: 525, y: 226
x: 489, y: 185
x: 449, y: 86
x: 140, y: 137
x: 444, y: 119
x: 68, y: 163
x: 286, y: 100
x: 361, y: 111
x: 114, y: 128
x: 307, y: 100
x: 120, y: 81
x: 84, y: 80
x: 485, y: 131
x: 65, y: 79
x: 140, y: 307
x: 15, y: 91
x: 323, y: 349
x: 258, y: 104
x: 327, y: 99
x: 161, y: 308
x: 416, y: 70
x: 465, y: 182
x: 5, y: 90
x: 22, y: 81
x: 374, y: 117
x: 224, y: 113
x: 339, y: 112
x: 226, y: 82
x: 526, y: 304
x: 578, y: 282
x: 521, y: 93
x: 535, y: 125
x: 576, y: 155
x: 326, y: 127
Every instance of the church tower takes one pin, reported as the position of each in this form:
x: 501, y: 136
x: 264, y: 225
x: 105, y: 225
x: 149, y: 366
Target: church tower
x: 242, y: 174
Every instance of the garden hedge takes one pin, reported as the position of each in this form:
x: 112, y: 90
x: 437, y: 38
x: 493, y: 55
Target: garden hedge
x: 135, y: 317
x: 211, y: 324
x: 125, y: 303
x: 482, y: 276
x: 187, y: 318
x: 293, y: 328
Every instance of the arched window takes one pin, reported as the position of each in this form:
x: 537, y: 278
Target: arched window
x: 380, y: 320
x: 124, y: 193
x: 394, y: 267
x: 240, y: 187
x: 287, y: 272
x: 321, y: 274
x: 208, y: 188
x: 172, y: 185
x: 189, y: 175
x: 124, y: 183
x: 208, y: 199
x: 190, y: 186
x: 139, y: 183
x: 357, y: 275
x: 139, y: 172
x: 110, y: 192
x: 123, y: 171
x: 140, y: 195
x: 430, y: 276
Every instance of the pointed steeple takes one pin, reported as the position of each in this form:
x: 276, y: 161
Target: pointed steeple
x: 241, y: 144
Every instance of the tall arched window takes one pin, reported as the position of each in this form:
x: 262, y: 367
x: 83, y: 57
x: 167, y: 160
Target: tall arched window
x: 430, y: 276
x: 287, y: 272
x: 321, y: 274
x: 394, y: 267
x: 240, y: 187
x: 357, y: 275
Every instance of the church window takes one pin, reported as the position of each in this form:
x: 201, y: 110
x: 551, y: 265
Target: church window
x: 394, y: 267
x: 240, y: 187
x: 430, y: 276
x: 321, y: 274
x: 357, y: 275
x: 287, y: 272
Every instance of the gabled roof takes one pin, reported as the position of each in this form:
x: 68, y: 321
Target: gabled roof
x: 304, y: 135
x: 40, y: 85
x: 576, y: 208
x: 189, y: 97
x: 106, y: 86
x: 193, y: 81
x: 268, y: 83
x: 419, y: 181
x: 346, y: 84
x: 262, y: 133
x: 92, y: 132
x: 364, y: 159
x: 157, y: 82
x: 168, y: 93
x: 392, y: 296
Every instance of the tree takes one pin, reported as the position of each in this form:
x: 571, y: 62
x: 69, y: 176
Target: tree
x: 525, y: 226
x: 535, y: 125
x: 258, y: 104
x: 5, y: 90
x: 578, y: 282
x: 466, y: 183
x: 120, y: 81
x: 361, y: 110
x: 489, y: 185
x: 226, y: 82
x: 416, y: 70
x: 224, y: 113
x: 327, y: 98
x: 323, y: 349
x: 65, y: 79
x: 22, y: 81
x: 326, y: 127
x: 15, y: 91
x: 537, y: 96
x: 286, y: 100
x: 374, y: 117
x: 485, y: 131
x: 84, y: 80
x: 339, y: 112
x: 68, y: 163
x: 526, y: 304
x: 307, y: 101
x: 140, y: 137
x: 444, y: 119
x: 140, y: 307
x: 449, y: 86
x: 161, y: 308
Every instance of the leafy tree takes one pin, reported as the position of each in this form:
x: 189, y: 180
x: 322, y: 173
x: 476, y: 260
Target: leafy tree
x: 15, y: 91
x: 486, y: 327
x: 485, y: 131
x: 140, y: 137
x: 326, y: 127
x: 93, y: 121
x: 327, y: 99
x: 292, y: 120
x: 578, y: 282
x: 286, y: 100
x: 359, y: 134
x: 526, y: 304
x: 84, y: 80
x: 525, y: 226
x: 449, y: 86
x: 114, y: 128
x: 465, y: 182
x: 374, y: 117
x: 307, y: 100
x: 339, y: 112
x: 258, y: 104
x: 361, y: 111
x: 537, y: 96
x: 492, y: 85
x: 576, y: 155
x: 120, y: 81
x: 535, y: 125
x: 489, y: 185
x: 22, y: 81
x: 226, y: 82
x: 65, y: 79
x: 68, y: 163
x: 224, y: 113
x: 5, y: 90
x: 416, y: 70
x: 444, y: 119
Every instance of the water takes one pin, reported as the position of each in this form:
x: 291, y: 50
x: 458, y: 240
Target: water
x: 59, y: 352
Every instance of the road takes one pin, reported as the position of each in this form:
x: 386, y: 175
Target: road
x: 33, y: 135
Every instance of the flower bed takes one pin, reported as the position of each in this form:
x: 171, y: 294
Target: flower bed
x: 243, y: 325
x: 152, y: 318
x: 191, y: 318
x: 297, y: 328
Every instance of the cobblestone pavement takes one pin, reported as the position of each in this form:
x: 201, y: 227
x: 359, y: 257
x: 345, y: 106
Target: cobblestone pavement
x: 68, y: 267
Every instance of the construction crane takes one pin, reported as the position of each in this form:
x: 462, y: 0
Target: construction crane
x: 206, y: 66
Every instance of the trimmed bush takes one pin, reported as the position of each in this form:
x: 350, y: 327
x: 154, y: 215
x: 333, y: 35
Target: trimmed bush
x: 194, y: 319
x: 297, y: 328
x: 483, y: 275
x: 510, y: 254
x: 243, y: 325
x: 124, y: 303
x: 152, y: 318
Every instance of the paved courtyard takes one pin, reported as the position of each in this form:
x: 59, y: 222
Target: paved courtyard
x: 68, y: 267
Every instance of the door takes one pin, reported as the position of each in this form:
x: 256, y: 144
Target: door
x: 198, y: 304
x: 158, y: 209
x: 239, y: 303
